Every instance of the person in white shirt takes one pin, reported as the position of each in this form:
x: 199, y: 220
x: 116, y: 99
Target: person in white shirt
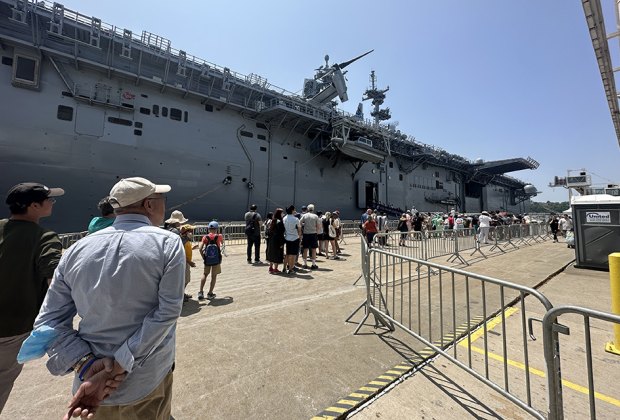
x: 485, y: 225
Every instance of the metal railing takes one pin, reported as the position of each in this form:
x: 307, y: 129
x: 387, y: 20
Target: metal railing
x: 68, y: 239
x: 437, y: 243
x: 431, y: 302
x: 553, y: 356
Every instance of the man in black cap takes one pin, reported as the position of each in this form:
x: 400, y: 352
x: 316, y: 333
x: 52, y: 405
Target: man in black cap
x: 29, y: 255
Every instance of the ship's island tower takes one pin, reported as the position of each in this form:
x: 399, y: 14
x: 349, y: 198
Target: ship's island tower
x: 378, y: 97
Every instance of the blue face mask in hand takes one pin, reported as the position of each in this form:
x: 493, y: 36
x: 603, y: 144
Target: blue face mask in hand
x: 36, y: 344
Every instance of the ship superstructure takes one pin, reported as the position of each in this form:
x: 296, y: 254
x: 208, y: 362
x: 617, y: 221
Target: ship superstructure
x: 90, y: 103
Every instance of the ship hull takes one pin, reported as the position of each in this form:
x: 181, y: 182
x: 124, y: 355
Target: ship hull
x: 218, y: 158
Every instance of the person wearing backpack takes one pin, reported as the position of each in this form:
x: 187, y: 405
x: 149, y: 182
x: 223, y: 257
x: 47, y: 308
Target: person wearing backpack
x: 211, y: 251
x: 253, y: 224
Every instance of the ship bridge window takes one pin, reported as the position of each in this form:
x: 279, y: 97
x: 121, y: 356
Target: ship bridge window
x: 164, y: 111
x: 176, y: 114
x: 156, y: 110
x: 64, y: 113
x: 26, y: 71
x: 145, y: 111
x: 120, y: 121
x: 246, y: 133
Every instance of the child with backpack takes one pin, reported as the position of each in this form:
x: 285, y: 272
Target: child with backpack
x: 211, y: 251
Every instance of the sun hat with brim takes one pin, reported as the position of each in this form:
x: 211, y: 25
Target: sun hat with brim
x: 176, y: 217
x: 27, y: 193
x: 486, y: 213
x: 129, y: 191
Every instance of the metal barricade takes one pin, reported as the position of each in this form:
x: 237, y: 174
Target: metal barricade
x: 553, y: 356
x: 68, y: 239
x: 434, y: 303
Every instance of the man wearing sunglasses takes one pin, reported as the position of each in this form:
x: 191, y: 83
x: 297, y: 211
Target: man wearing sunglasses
x: 29, y: 255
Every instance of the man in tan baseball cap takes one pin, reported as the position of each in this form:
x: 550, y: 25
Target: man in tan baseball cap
x: 127, y: 284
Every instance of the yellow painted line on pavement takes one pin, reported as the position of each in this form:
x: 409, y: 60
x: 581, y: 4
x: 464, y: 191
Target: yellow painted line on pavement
x: 494, y: 322
x: 534, y: 371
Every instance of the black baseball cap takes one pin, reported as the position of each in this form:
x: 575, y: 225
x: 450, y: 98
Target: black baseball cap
x: 27, y: 193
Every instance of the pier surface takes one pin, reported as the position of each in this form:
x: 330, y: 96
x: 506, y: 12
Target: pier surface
x: 278, y: 347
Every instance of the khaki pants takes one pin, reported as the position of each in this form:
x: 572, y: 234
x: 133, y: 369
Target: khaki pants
x: 155, y: 406
x: 9, y: 368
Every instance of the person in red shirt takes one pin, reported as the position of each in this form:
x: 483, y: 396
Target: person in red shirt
x: 370, y: 227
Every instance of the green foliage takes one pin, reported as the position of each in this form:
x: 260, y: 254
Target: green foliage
x: 548, y: 207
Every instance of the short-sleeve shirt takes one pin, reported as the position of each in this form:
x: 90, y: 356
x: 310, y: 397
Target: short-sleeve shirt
x: 291, y: 223
x: 255, y: 216
x: 310, y: 223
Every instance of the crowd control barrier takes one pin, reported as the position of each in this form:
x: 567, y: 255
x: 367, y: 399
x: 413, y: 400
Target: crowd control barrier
x: 433, y: 303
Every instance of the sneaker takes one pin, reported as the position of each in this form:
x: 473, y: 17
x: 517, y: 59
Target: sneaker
x: 185, y: 298
x: 201, y: 296
x: 258, y: 262
x: 305, y: 266
x: 314, y: 267
x: 336, y: 257
x: 211, y: 296
x: 276, y: 271
x: 271, y: 270
x: 249, y: 261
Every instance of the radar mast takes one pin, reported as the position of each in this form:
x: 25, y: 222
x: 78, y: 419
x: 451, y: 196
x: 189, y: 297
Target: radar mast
x: 377, y: 96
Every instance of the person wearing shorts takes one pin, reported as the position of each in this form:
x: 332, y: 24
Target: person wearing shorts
x: 213, y: 269
x: 310, y: 223
x: 292, y: 232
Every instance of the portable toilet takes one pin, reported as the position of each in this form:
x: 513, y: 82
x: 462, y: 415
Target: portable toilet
x: 596, y: 222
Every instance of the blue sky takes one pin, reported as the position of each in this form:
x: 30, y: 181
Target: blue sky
x: 480, y: 78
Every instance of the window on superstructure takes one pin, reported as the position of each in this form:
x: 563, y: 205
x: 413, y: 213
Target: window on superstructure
x: 120, y: 121
x: 137, y: 132
x: 261, y: 137
x: 246, y: 133
x: 145, y: 111
x: 263, y: 149
x: 164, y: 111
x: 137, y: 124
x: 439, y: 185
x: 64, y: 113
x: 208, y: 108
x: 391, y: 164
x: 436, y: 174
x: 156, y: 110
x: 8, y: 61
x: 185, y: 116
x: 68, y: 94
x: 25, y: 69
x: 261, y: 125
x: 176, y: 114
x: 400, y: 177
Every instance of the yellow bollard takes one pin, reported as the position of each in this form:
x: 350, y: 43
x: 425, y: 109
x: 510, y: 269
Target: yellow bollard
x: 614, y: 279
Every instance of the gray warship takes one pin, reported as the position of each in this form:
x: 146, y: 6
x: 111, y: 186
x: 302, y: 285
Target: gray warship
x: 86, y: 103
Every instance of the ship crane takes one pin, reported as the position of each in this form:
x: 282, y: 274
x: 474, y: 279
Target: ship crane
x: 328, y: 82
